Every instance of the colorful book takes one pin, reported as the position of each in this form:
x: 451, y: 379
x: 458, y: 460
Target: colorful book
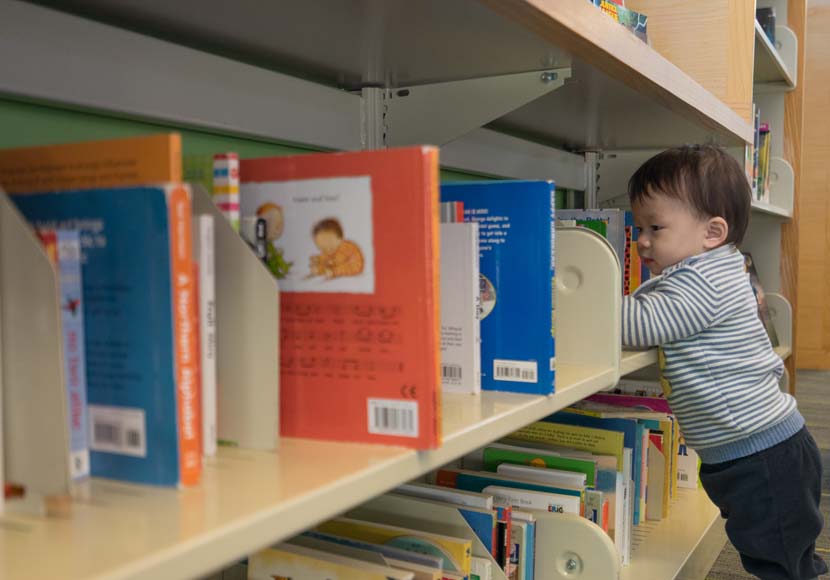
x: 103, y: 164
x: 454, y: 552
x: 64, y: 250
x: 478, y: 480
x: 287, y: 561
x: 460, y: 325
x: 360, y: 303
x: 526, y: 499
x: 204, y: 257
x: 141, y: 354
x: 516, y: 241
x: 497, y: 454
x: 225, y: 186
x: 557, y: 477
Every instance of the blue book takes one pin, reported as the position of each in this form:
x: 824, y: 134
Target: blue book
x: 74, y: 352
x: 128, y: 261
x: 632, y: 438
x: 482, y: 523
x: 516, y: 244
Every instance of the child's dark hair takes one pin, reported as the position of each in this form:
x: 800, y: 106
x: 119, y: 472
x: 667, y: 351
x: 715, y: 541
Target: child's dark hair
x: 328, y: 225
x: 706, y: 177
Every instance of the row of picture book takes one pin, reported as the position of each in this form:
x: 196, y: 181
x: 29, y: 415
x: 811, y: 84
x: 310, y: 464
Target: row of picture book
x: 757, y: 160
x: 392, y: 290
x: 616, y: 459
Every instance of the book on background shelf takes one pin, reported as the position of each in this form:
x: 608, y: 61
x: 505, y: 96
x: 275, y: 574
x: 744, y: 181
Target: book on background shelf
x: 84, y: 165
x: 64, y: 250
x: 765, y: 140
x: 609, y: 223
x: 516, y: 244
x: 288, y: 561
x: 204, y: 257
x: 460, y: 324
x: 756, y: 144
x: 141, y: 354
x: 760, y: 298
x: 360, y: 331
x: 766, y: 18
x: 225, y: 186
x: 454, y: 552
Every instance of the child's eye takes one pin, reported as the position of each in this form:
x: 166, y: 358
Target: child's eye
x: 639, y: 229
x: 656, y: 228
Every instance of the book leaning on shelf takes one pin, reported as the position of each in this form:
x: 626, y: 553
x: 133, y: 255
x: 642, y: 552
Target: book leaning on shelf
x: 64, y: 250
x: 516, y: 243
x: 138, y: 288
x: 353, y: 239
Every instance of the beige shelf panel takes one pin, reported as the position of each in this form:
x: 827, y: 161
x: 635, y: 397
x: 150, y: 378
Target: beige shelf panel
x: 772, y: 210
x: 684, y: 545
x: 250, y: 499
x: 634, y: 360
x: 621, y: 94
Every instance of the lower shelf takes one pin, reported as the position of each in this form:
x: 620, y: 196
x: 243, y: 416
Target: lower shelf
x: 783, y: 351
x: 634, y: 360
x: 682, y: 546
x: 250, y: 499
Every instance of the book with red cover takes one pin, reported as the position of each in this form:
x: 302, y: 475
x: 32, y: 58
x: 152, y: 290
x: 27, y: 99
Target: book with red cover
x: 355, y: 236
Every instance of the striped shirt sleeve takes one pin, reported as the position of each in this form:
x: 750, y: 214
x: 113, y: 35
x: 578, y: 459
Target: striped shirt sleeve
x: 680, y: 305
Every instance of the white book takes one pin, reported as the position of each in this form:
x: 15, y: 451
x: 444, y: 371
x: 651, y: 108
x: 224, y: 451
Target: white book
x: 447, y: 494
x: 557, y: 477
x: 481, y: 569
x: 204, y: 255
x: 460, y: 325
x: 518, y: 551
x: 535, y: 500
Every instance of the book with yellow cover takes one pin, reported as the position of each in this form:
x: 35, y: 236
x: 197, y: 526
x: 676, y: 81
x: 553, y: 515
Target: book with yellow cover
x: 101, y: 164
x: 455, y: 552
x: 291, y: 562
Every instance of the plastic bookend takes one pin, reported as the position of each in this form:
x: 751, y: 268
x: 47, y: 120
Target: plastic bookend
x: 247, y: 338
x: 427, y: 516
x: 781, y: 313
x: 782, y: 184
x: 570, y: 547
x: 588, y: 290
x: 34, y: 420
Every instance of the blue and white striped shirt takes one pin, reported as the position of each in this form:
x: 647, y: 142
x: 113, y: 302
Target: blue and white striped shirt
x: 718, y: 368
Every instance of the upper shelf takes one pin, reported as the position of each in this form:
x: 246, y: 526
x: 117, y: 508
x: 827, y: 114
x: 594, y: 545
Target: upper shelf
x: 770, y: 67
x: 621, y: 93
x: 248, y: 499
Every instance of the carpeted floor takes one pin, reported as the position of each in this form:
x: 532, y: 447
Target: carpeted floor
x: 813, y: 394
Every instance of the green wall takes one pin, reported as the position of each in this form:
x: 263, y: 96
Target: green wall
x: 26, y: 123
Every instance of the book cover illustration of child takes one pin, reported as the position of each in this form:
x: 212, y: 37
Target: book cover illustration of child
x: 274, y: 225
x: 338, y: 256
x: 319, y: 232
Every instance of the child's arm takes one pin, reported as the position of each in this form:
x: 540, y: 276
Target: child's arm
x: 681, y: 305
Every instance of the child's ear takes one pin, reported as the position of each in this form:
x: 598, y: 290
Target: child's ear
x: 717, y: 231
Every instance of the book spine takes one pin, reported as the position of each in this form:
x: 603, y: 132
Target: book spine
x: 431, y: 171
x: 184, y: 332
x: 226, y: 186
x: 74, y: 355
x: 204, y: 238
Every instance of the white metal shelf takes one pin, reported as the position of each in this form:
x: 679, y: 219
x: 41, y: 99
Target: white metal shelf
x: 683, y: 545
x: 770, y: 65
x: 773, y: 210
x: 621, y: 92
x: 250, y: 499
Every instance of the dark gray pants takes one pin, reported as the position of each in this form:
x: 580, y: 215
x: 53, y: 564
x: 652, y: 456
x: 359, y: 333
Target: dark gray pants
x: 771, y: 504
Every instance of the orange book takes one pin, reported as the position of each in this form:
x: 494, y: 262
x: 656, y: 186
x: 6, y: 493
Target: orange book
x: 353, y: 240
x: 110, y: 163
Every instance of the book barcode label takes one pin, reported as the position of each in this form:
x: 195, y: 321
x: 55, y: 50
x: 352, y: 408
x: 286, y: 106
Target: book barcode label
x: 117, y: 430
x: 393, y: 417
x: 683, y: 476
x: 451, y: 372
x: 515, y: 371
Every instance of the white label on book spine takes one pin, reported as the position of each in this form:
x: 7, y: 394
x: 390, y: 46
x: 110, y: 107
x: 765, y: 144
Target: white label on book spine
x: 393, y: 417
x: 515, y: 371
x: 117, y: 430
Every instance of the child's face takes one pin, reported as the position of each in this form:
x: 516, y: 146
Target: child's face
x: 327, y: 241
x: 669, y: 231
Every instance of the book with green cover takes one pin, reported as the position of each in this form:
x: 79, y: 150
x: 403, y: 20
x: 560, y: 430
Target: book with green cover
x: 493, y: 456
x: 598, y: 441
